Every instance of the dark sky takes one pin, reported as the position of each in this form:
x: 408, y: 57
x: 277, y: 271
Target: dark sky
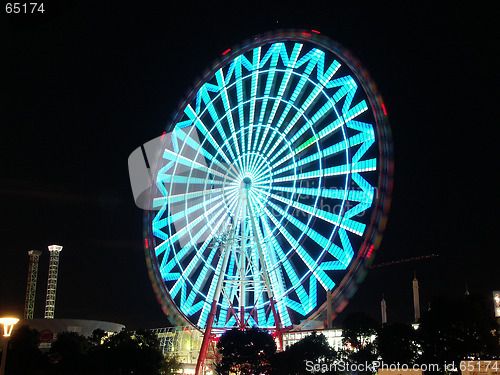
x: 87, y: 82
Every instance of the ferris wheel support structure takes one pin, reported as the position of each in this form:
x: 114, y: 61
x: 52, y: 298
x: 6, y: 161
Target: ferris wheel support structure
x: 244, y: 214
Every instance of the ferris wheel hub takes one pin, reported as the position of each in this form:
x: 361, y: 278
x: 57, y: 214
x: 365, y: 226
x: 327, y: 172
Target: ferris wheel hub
x: 247, y: 182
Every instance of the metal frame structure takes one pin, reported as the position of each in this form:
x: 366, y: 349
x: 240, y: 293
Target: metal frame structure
x: 50, y: 301
x: 184, y: 343
x: 272, y: 188
x: 29, y: 305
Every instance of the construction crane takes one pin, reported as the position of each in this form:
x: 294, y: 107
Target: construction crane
x: 407, y: 260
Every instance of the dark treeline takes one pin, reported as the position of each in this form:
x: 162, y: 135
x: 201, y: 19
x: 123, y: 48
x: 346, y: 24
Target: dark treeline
x: 450, y: 332
x: 123, y: 353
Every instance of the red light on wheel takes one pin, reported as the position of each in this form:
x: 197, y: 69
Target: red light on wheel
x: 226, y: 52
x: 370, y: 251
x: 383, y: 109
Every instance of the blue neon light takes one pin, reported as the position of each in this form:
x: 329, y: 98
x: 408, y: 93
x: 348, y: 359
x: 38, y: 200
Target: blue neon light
x: 293, y: 118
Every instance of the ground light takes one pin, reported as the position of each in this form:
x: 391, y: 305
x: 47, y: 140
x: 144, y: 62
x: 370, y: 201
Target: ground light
x: 8, y: 325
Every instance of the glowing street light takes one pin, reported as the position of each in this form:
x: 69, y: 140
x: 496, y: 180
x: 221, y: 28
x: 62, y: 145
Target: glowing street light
x: 8, y: 325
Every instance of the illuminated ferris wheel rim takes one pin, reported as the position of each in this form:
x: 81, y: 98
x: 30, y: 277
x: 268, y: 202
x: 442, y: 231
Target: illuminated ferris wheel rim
x: 384, y: 167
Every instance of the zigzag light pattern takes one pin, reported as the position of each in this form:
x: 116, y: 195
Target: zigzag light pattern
x: 293, y: 118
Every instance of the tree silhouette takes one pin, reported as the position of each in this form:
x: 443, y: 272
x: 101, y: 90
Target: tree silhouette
x: 128, y: 352
x: 359, y: 331
x: 69, y: 352
x: 245, y: 352
x: 124, y: 353
x: 397, y: 342
x: 294, y: 360
x: 454, y: 330
x: 24, y: 356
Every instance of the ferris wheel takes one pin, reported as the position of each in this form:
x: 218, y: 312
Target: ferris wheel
x: 271, y: 188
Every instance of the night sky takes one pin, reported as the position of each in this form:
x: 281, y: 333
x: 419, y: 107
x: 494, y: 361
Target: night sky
x: 87, y: 82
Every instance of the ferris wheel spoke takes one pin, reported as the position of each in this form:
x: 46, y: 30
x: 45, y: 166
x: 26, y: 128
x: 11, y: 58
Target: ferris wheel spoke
x: 309, y: 124
x: 167, y: 267
x: 284, y: 114
x: 253, y: 90
x: 240, y: 98
x: 276, y: 281
x: 197, y: 258
x: 302, y: 176
x: 306, y: 301
x: 231, y: 198
x: 265, y: 100
x: 216, y: 280
x: 262, y: 181
x: 203, y: 129
x: 343, y: 169
x: 200, y: 282
x: 303, y: 228
x: 191, y: 224
x: 322, y: 277
x: 312, y: 98
x: 225, y: 138
x: 227, y: 107
x: 316, y: 118
x: 281, y: 91
x: 256, y: 197
x: 179, y: 179
x: 312, y: 58
x: 258, y: 170
x: 205, y: 310
x: 196, y: 147
x: 229, y: 293
x: 366, y: 138
x: 209, y: 102
x: 350, y: 225
x: 274, y: 256
x: 300, y: 113
x: 181, y: 214
x: 340, y: 254
x: 340, y: 194
x: 261, y: 185
x: 193, y: 164
x: 176, y: 198
x: 274, y: 52
x: 232, y: 171
x: 331, y: 150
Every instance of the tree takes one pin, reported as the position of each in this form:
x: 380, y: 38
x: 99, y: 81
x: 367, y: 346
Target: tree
x: 312, y: 349
x: 24, y: 356
x: 131, y: 353
x: 245, y: 352
x: 98, y: 336
x: 397, y: 342
x: 69, y: 352
x: 454, y: 330
x: 359, y: 331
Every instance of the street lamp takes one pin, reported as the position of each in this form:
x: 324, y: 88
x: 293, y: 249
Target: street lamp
x: 8, y: 325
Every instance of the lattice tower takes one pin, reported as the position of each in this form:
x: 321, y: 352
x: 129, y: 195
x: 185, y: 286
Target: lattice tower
x: 29, y: 305
x: 50, y: 301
